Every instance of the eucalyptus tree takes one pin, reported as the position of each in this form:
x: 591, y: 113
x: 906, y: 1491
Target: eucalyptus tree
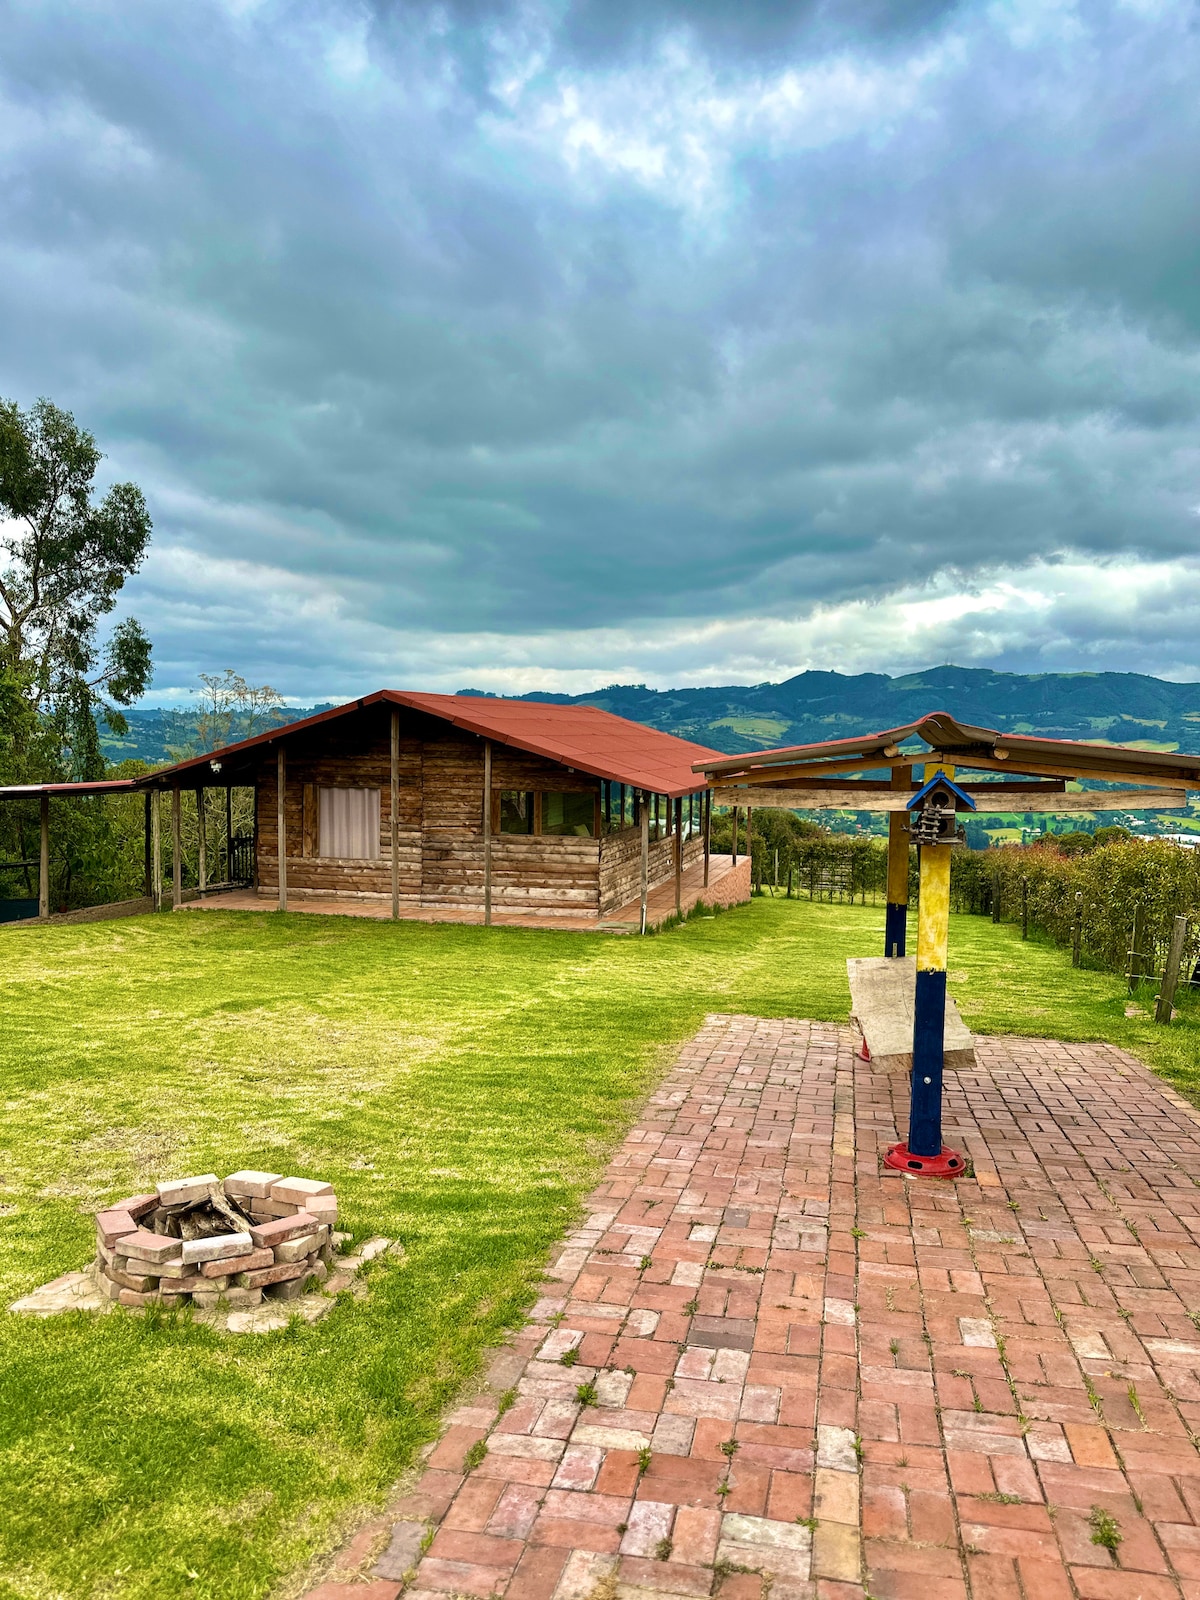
x: 64, y: 558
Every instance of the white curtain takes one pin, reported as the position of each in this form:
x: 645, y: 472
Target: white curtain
x: 349, y: 824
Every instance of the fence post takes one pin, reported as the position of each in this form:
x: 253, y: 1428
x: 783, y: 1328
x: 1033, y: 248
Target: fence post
x: 1166, y: 1000
x: 1077, y: 930
x: 1024, y: 908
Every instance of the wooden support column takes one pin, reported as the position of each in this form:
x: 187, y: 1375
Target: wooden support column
x: 895, y: 926
x: 679, y: 858
x: 735, y: 822
x: 156, y: 848
x: 1163, y: 1011
x: 394, y: 819
x: 281, y: 824
x: 644, y: 817
x: 201, y: 841
x: 228, y: 833
x: 176, y: 848
x: 44, y: 858
x: 750, y: 843
x: 148, y: 848
x: 707, y: 804
x: 487, y: 833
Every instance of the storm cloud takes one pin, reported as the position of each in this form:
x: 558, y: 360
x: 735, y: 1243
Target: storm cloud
x: 541, y: 345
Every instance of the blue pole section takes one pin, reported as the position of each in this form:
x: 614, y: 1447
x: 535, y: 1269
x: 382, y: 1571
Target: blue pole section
x: 929, y: 1026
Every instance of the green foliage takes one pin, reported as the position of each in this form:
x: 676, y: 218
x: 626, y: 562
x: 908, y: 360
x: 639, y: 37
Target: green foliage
x: 1106, y: 1530
x: 819, y: 864
x: 66, y: 559
x: 1160, y: 877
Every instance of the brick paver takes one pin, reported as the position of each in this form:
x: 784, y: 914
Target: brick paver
x: 763, y: 1367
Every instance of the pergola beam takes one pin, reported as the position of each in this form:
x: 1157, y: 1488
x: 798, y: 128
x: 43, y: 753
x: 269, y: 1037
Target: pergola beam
x: 991, y: 797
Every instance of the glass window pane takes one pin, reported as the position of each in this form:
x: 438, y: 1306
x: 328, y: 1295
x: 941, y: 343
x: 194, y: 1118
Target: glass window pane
x: 569, y: 813
x: 516, y: 811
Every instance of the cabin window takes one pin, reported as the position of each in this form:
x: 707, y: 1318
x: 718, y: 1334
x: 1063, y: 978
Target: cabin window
x: 569, y: 813
x: 516, y: 811
x: 349, y: 824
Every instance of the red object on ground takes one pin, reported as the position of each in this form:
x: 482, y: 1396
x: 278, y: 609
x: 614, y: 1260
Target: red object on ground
x: 949, y: 1164
x: 864, y: 1053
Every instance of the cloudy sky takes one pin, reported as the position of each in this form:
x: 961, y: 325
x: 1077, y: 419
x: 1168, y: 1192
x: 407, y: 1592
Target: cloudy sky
x: 542, y: 345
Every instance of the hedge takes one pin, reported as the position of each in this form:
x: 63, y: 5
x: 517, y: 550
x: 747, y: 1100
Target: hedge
x: 1161, y: 878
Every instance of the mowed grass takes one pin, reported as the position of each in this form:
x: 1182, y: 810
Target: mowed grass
x: 460, y: 1086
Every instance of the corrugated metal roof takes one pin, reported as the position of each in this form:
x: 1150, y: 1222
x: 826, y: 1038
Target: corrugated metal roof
x: 583, y: 737
x: 18, y: 791
x: 1068, y: 758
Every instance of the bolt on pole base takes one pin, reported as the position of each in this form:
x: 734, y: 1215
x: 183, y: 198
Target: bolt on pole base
x: 948, y: 1164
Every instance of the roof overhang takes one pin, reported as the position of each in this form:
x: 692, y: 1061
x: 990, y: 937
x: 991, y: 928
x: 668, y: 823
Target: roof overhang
x: 960, y: 744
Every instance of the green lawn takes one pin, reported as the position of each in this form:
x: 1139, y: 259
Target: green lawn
x: 461, y: 1088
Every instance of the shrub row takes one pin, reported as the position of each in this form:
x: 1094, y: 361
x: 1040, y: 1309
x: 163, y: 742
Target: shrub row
x: 1161, y: 878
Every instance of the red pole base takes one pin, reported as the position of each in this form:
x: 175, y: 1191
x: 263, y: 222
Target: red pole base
x: 863, y: 1053
x: 949, y: 1164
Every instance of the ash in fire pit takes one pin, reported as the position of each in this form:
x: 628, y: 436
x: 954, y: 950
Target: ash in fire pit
x: 202, y: 1240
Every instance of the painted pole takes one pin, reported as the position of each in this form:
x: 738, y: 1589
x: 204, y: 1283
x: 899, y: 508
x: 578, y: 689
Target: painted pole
x: 933, y: 812
x: 895, y: 923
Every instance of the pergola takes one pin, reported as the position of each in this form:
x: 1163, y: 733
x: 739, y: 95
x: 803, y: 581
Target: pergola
x: 878, y: 772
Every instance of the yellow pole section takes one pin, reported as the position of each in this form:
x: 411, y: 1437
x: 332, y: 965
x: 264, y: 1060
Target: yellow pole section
x: 933, y: 919
x: 897, y: 863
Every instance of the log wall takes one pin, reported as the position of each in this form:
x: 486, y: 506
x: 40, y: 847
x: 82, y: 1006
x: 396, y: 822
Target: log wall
x: 441, y: 846
x: 621, y: 865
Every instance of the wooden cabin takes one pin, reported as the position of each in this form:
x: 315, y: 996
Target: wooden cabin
x: 465, y: 803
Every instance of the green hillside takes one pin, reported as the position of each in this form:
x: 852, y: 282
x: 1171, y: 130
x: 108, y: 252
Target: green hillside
x: 1117, y: 707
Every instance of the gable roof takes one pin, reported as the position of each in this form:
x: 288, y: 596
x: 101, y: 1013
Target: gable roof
x: 1019, y: 752
x: 583, y: 737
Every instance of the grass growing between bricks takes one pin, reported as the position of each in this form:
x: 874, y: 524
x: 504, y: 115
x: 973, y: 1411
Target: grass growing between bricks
x: 460, y: 1087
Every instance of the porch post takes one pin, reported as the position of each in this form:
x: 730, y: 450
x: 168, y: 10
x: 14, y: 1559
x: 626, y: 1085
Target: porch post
x: 147, y: 880
x: 281, y: 824
x: 707, y: 832
x: 735, y: 812
x: 202, y: 841
x: 394, y: 821
x: 156, y: 848
x: 896, y: 915
x: 228, y: 833
x: 644, y: 819
x: 487, y: 833
x: 750, y: 842
x: 44, y: 858
x: 176, y: 849
x: 679, y: 858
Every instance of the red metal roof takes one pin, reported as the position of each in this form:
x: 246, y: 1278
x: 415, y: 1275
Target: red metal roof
x: 583, y: 737
x: 1073, y: 757
x: 18, y: 791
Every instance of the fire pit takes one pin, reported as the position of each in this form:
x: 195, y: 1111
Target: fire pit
x: 207, y: 1241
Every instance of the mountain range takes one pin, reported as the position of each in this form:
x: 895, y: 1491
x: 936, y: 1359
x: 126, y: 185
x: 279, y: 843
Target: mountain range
x: 1115, y: 707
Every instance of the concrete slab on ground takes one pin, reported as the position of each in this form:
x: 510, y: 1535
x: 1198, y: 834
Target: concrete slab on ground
x: 882, y: 1002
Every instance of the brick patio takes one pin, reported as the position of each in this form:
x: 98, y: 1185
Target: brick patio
x: 811, y: 1380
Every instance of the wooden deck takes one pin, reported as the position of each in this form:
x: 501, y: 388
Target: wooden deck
x: 727, y: 885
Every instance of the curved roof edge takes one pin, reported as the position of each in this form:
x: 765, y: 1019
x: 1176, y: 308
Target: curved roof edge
x: 1057, y: 757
